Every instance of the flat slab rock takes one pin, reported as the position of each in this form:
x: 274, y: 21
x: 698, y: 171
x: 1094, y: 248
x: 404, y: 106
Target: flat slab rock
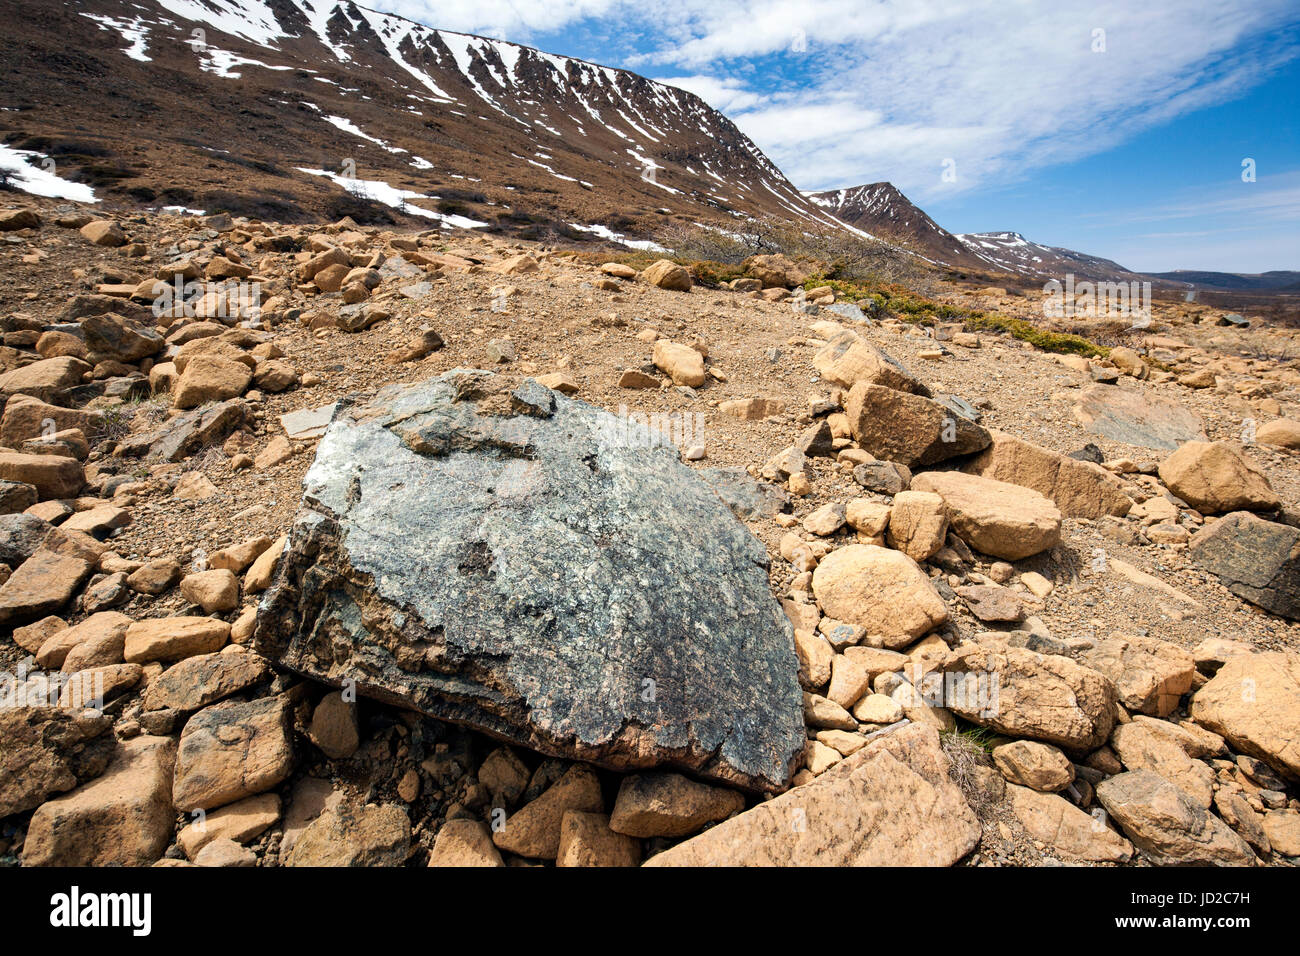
x: 1135, y: 418
x: 522, y: 563
x: 1257, y: 560
x: 891, y: 803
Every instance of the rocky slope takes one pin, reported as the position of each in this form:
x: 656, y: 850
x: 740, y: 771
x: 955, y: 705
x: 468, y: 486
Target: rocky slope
x: 281, y: 107
x: 1019, y: 592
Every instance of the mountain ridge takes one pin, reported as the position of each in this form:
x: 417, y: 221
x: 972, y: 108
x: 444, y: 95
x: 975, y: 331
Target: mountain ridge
x: 537, y: 138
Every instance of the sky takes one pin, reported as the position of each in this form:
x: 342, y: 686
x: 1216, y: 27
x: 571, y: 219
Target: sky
x: 1163, y: 134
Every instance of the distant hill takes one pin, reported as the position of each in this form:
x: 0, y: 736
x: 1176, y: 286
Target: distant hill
x: 1276, y: 281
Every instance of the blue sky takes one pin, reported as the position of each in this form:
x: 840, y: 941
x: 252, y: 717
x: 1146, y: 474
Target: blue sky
x: 1114, y: 128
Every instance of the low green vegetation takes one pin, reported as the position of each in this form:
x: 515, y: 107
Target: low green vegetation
x: 877, y: 297
x: 908, y: 306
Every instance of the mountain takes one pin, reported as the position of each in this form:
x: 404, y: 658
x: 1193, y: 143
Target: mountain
x: 881, y: 210
x: 1012, y: 252
x: 273, y: 107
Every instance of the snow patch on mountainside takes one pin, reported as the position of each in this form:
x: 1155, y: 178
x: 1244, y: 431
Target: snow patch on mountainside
x: 395, y: 198
x: 38, y: 180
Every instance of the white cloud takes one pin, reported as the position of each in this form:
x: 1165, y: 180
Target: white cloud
x: 726, y: 95
x: 889, y: 92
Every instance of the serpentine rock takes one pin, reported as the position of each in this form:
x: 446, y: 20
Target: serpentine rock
x: 525, y: 564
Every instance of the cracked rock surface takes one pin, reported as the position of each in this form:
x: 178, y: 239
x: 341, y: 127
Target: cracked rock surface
x: 533, y: 567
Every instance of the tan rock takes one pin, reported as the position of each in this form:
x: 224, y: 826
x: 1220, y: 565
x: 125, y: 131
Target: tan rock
x: 818, y: 711
x: 44, y: 583
x: 98, y: 630
x: 462, y: 842
x: 205, y: 679
x: 259, y: 575
x: 815, y: 655
x: 45, y: 750
x: 515, y: 265
x: 1167, y: 825
x: 1037, y: 585
x: 240, y: 822
x: 681, y: 363
x: 882, y: 590
x: 890, y: 804
x: 277, y: 451
x: 215, y: 591
x: 194, y: 486
x: 876, y: 660
x: 1034, y: 765
x: 1023, y: 694
x: 867, y: 517
x: 45, y: 379
x: 334, y: 727
x: 670, y: 805
x: 878, y: 709
x: 344, y: 835
x: 1283, y: 830
x: 918, y: 524
x: 122, y: 818
x: 561, y: 382
x: 1248, y: 824
x: 850, y: 679
x: 534, y: 830
x: 1253, y: 702
x: 1216, y: 477
x: 635, y: 378
x: 1212, y: 652
x: 210, y: 378
x: 993, y: 517
x: 1079, y: 489
x: 668, y: 275
x: 587, y: 840
x: 825, y: 520
x: 223, y: 852
x: 102, y: 654
x: 909, y: 429
x: 26, y: 417
x: 1195, y: 741
x: 819, y: 757
x: 1281, y: 432
x: 752, y: 409
x: 1067, y: 829
x: 53, y: 476
x: 1128, y: 361
x: 104, y: 232
x: 32, y: 636
x: 233, y: 750
x: 173, y: 638
x: 237, y: 557
x: 848, y: 359
x: 1150, y: 675
x: 1139, y: 747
